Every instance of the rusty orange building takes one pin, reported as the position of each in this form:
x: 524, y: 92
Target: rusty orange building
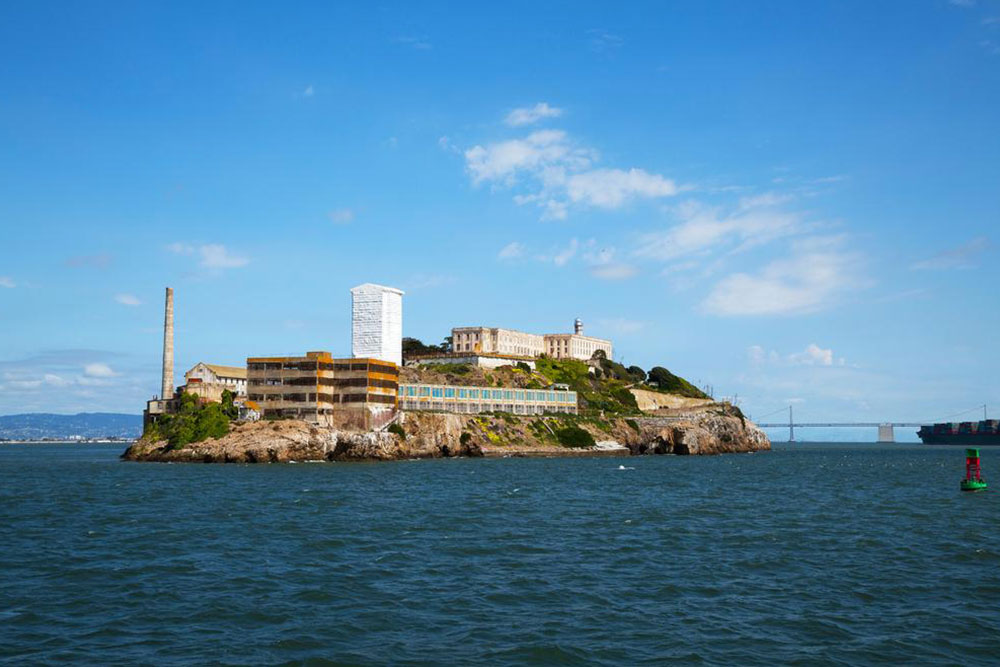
x: 343, y: 393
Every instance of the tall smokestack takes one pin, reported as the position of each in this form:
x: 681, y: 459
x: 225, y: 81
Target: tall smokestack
x: 168, y: 347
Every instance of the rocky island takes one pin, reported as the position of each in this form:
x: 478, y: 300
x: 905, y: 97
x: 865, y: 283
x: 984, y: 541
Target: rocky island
x: 622, y: 413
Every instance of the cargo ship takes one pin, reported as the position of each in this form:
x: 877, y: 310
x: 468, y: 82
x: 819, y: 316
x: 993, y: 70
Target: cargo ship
x: 986, y: 432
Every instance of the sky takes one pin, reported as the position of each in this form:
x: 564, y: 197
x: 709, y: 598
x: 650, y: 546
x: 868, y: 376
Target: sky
x: 791, y: 203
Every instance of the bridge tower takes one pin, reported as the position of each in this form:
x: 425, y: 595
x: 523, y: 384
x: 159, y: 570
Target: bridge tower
x: 886, y: 433
x: 791, y: 426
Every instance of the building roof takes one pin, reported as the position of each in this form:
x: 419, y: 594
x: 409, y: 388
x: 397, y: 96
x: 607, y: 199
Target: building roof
x: 228, y: 371
x: 373, y: 287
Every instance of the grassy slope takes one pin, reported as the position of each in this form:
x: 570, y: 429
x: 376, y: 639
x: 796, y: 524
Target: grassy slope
x: 609, y: 393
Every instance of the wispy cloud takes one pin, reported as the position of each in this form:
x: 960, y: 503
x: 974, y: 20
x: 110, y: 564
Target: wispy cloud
x: 128, y: 299
x: 812, y: 355
x: 755, y: 221
x: 420, y: 43
x: 603, y: 263
x: 341, y: 216
x: 965, y: 256
x: 602, y: 41
x: 556, y: 174
x: 7, y: 282
x: 213, y: 255
x: 817, y: 274
x: 309, y: 91
x: 512, y: 250
x: 531, y: 115
x: 98, y: 370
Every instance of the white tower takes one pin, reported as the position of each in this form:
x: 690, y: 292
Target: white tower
x: 377, y: 323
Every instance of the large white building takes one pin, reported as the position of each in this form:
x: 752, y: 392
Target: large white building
x: 510, y: 342
x: 377, y: 323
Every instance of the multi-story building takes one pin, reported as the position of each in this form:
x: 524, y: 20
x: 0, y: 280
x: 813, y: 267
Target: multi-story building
x: 345, y: 393
x: 488, y: 340
x: 514, y: 343
x: 377, y: 323
x: 471, y: 400
x: 209, y: 381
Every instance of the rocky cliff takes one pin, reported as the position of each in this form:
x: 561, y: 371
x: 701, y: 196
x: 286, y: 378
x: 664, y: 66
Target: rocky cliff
x: 715, y: 429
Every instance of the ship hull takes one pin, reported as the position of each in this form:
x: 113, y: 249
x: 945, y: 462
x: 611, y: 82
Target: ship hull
x: 968, y: 434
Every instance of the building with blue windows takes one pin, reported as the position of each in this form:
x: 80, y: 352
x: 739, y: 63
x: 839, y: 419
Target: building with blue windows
x: 471, y: 400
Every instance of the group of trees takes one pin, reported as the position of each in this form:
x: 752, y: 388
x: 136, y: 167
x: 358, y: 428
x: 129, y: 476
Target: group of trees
x: 413, y: 347
x: 194, y: 421
x: 658, y: 377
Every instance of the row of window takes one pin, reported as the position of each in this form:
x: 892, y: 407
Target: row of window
x: 474, y: 408
x: 323, y: 366
x: 312, y: 381
x: 324, y: 398
x: 488, y: 394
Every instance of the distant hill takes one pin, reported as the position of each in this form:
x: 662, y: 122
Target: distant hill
x: 86, y: 425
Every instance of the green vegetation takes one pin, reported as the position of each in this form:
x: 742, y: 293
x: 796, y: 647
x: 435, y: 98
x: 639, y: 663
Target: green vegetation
x: 397, y: 429
x: 606, y: 394
x: 465, y: 438
x: 666, y: 381
x: 574, y: 437
x: 633, y: 424
x: 228, y: 408
x: 194, y: 422
x: 413, y: 347
x: 457, y: 369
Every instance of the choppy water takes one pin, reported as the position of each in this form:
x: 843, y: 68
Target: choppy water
x: 834, y: 553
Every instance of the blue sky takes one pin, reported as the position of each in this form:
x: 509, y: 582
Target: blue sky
x: 792, y: 202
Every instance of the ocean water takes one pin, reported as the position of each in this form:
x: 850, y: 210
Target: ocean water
x: 850, y: 554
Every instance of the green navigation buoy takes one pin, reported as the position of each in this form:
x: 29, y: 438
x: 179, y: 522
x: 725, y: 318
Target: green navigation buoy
x: 973, y: 478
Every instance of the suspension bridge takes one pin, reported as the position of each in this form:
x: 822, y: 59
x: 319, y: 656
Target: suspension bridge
x: 886, y: 430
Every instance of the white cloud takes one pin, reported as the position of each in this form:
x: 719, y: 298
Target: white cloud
x: 611, y: 188
x: 512, y: 250
x: 562, y: 257
x: 602, y: 41
x: 704, y: 228
x: 341, y: 216
x: 603, y: 264
x: 557, y: 174
x: 420, y: 43
x: 309, y: 91
x: 56, y: 380
x: 531, y: 115
x: 613, y: 271
x: 98, y: 371
x: 813, y: 278
x: 128, y: 300
x: 964, y: 256
x: 181, y: 248
x: 813, y: 355
x: 213, y: 255
x: 545, y: 154
x: 7, y: 282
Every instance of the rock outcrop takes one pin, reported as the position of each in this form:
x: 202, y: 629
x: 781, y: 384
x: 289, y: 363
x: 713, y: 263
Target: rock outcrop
x: 715, y: 429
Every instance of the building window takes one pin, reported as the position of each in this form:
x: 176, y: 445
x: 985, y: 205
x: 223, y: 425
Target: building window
x: 449, y: 393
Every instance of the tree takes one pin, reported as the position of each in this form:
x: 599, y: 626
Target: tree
x: 599, y: 354
x: 228, y: 408
x: 637, y: 374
